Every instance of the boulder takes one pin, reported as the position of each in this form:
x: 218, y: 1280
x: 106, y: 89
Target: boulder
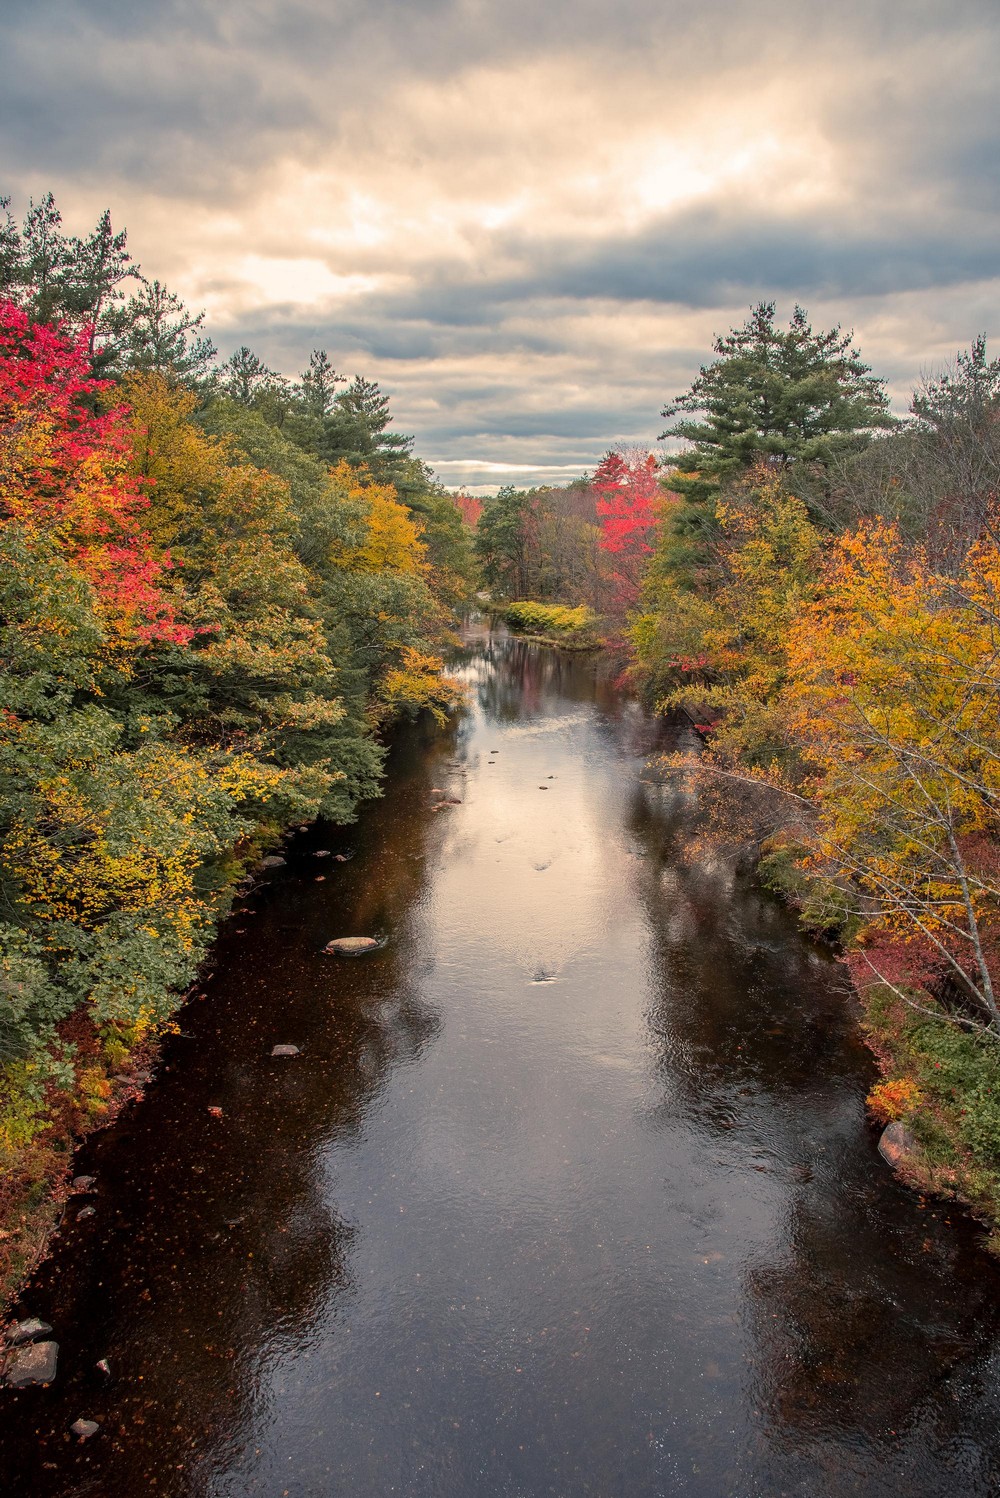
x: 897, y: 1144
x: 84, y: 1212
x: 27, y: 1331
x: 85, y: 1429
x: 351, y: 946
x: 272, y: 862
x: 85, y: 1183
x: 34, y: 1363
x: 285, y: 1050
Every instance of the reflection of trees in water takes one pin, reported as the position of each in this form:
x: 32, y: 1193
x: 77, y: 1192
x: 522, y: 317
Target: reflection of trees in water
x: 864, y: 1329
x: 741, y: 1000
x: 515, y: 679
x: 859, y: 1322
x: 217, y: 1245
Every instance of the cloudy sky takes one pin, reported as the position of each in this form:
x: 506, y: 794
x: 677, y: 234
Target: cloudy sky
x: 527, y: 218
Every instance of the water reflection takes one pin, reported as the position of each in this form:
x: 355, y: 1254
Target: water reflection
x: 569, y: 1192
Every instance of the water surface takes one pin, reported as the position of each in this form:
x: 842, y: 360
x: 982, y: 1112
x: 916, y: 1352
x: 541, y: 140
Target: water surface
x: 569, y: 1192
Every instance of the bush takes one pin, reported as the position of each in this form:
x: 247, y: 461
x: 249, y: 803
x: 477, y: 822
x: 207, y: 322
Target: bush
x: 553, y: 621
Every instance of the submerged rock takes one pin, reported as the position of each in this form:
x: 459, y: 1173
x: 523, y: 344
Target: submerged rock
x: 897, y: 1144
x: 85, y: 1429
x: 351, y: 946
x: 285, y: 1050
x: 34, y: 1363
x: 27, y: 1331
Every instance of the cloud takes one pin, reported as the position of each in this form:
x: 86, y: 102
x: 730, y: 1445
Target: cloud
x: 527, y: 221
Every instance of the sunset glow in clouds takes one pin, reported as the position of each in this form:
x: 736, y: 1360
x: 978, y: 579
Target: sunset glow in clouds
x: 526, y: 222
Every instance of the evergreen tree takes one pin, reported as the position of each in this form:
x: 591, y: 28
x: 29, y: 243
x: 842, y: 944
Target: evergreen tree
x: 156, y: 334
x: 785, y: 397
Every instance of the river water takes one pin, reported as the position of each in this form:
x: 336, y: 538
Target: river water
x: 569, y: 1192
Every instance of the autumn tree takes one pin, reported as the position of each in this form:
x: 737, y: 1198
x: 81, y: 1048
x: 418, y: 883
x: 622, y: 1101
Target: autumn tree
x: 627, y: 496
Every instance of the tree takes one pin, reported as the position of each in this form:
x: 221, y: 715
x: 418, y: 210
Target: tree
x: 154, y: 333
x: 247, y: 380
x: 938, y: 476
x: 895, y: 690
x: 64, y: 472
x: 317, y: 388
x: 627, y: 490
x: 53, y: 276
x: 795, y: 397
x: 503, y: 543
x: 356, y: 431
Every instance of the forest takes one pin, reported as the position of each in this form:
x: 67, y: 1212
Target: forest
x: 222, y: 587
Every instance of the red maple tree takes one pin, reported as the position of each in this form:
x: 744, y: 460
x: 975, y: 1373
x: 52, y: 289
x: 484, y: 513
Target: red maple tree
x: 627, y: 490
x: 65, y: 471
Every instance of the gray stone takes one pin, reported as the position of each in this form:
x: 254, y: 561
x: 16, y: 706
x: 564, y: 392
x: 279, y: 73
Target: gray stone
x: 35, y: 1363
x: 84, y: 1183
x: 272, y: 862
x: 897, y: 1144
x: 322, y: 853
x: 85, y: 1429
x: 285, y: 1050
x: 351, y: 946
x: 103, y: 1366
x: 28, y: 1331
x: 83, y: 1213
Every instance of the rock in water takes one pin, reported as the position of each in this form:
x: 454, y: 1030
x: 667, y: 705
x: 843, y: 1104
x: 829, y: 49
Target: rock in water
x: 85, y: 1429
x: 351, y: 946
x: 85, y: 1183
x: 35, y: 1363
x: 285, y: 1050
x: 28, y: 1331
x: 897, y: 1144
x: 272, y: 862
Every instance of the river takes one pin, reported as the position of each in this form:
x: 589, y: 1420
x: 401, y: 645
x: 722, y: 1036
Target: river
x: 569, y: 1192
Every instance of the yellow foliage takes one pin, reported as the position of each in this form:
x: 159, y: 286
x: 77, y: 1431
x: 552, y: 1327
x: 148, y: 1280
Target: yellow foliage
x: 417, y: 683
x: 392, y: 542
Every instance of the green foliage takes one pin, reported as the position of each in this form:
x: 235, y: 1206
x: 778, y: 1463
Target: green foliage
x: 788, y: 397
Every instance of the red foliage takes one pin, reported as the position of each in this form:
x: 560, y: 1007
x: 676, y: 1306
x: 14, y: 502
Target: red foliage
x: 627, y: 489
x: 470, y: 508
x: 911, y: 964
x: 64, y: 470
